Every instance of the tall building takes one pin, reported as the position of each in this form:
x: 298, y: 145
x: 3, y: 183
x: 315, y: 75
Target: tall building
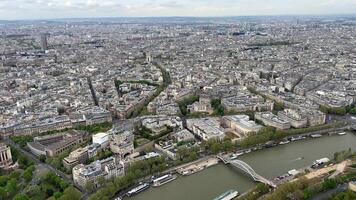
x: 44, y: 44
x: 5, y: 156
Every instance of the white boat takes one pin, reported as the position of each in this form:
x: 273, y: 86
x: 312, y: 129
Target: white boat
x: 229, y: 195
x: 240, y: 153
x: 284, y: 142
x: 342, y: 133
x: 163, y: 180
x: 248, y: 151
x: 297, y: 138
x: 233, y: 156
x: 315, y: 135
x: 138, y: 189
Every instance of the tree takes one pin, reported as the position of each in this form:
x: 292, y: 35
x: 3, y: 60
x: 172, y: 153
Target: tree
x: 227, y: 145
x: 262, y: 188
x: 42, y: 158
x: 70, y: 193
x: 57, y: 194
x: 328, y: 184
x: 2, y: 193
x: 21, y: 196
x: 90, y: 187
x: 308, y: 193
x: 216, y: 147
x: 12, y: 187
x: 28, y: 173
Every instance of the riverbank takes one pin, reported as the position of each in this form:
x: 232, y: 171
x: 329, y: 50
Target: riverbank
x: 197, y: 166
x: 269, y: 162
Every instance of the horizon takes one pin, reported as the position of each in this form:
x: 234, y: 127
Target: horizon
x: 199, y: 17
x: 75, y: 9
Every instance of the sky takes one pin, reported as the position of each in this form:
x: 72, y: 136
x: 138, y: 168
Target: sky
x: 52, y: 9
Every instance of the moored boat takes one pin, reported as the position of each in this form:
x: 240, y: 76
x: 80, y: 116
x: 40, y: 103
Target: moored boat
x: 229, y: 195
x: 315, y: 136
x: 163, y: 180
x: 284, y: 142
x: 138, y: 189
x: 342, y: 133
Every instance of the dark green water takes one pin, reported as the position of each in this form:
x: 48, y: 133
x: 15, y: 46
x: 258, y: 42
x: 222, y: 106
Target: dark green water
x: 210, y: 183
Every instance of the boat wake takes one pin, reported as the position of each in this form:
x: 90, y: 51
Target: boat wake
x: 297, y: 159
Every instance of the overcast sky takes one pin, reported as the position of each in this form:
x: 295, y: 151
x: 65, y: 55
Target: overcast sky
x: 50, y: 9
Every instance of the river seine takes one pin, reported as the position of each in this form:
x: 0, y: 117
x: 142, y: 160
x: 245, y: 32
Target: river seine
x: 269, y: 163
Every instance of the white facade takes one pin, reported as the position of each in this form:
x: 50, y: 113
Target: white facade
x: 101, y: 138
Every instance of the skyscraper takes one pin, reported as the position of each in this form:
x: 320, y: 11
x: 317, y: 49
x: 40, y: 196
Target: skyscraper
x: 44, y: 44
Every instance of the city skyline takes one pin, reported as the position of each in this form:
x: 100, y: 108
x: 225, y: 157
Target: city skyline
x: 53, y: 9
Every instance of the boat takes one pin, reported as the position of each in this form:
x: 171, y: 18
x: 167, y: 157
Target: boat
x: 297, y: 138
x: 118, y: 198
x: 320, y: 162
x: 239, y: 153
x: 342, y: 133
x: 233, y: 156
x: 284, y: 142
x: 138, y: 189
x: 163, y: 180
x: 315, y: 136
x: 248, y: 151
x: 191, y: 171
x: 229, y: 195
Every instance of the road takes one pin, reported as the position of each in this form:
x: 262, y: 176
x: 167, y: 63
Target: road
x: 47, y: 166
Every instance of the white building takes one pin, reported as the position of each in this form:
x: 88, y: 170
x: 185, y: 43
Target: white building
x: 206, y: 128
x: 241, y: 124
x: 101, y: 138
x: 107, y: 168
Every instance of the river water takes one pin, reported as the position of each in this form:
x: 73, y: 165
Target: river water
x: 272, y: 162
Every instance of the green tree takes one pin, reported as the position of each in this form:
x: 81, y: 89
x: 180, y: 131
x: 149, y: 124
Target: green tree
x: 12, y: 187
x: 328, y: 184
x: 308, y: 193
x: 216, y: 147
x: 21, y: 196
x: 70, y: 193
x: 89, y: 186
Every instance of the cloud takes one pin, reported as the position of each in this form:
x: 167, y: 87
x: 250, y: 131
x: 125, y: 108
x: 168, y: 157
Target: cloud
x: 11, y: 9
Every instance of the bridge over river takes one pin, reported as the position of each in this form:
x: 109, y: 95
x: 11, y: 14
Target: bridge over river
x: 248, y: 170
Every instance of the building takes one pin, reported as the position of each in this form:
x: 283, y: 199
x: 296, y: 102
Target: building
x: 44, y: 43
x: 159, y: 123
x: 107, y: 168
x: 83, y: 117
x: 352, y: 186
x: 245, y: 101
x: 5, y: 156
x: 241, y: 124
x: 206, y: 128
x: 51, y: 145
x: 203, y: 105
x: 183, y: 136
x: 294, y: 117
x: 101, y: 138
x: 270, y: 119
x: 315, y: 117
x: 79, y: 156
x: 122, y: 143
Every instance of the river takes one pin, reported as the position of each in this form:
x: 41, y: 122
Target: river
x: 269, y: 163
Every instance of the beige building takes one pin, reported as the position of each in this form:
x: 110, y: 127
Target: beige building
x: 241, y: 124
x: 5, y: 156
x: 107, y: 168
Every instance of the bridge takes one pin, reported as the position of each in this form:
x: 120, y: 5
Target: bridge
x: 248, y: 170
